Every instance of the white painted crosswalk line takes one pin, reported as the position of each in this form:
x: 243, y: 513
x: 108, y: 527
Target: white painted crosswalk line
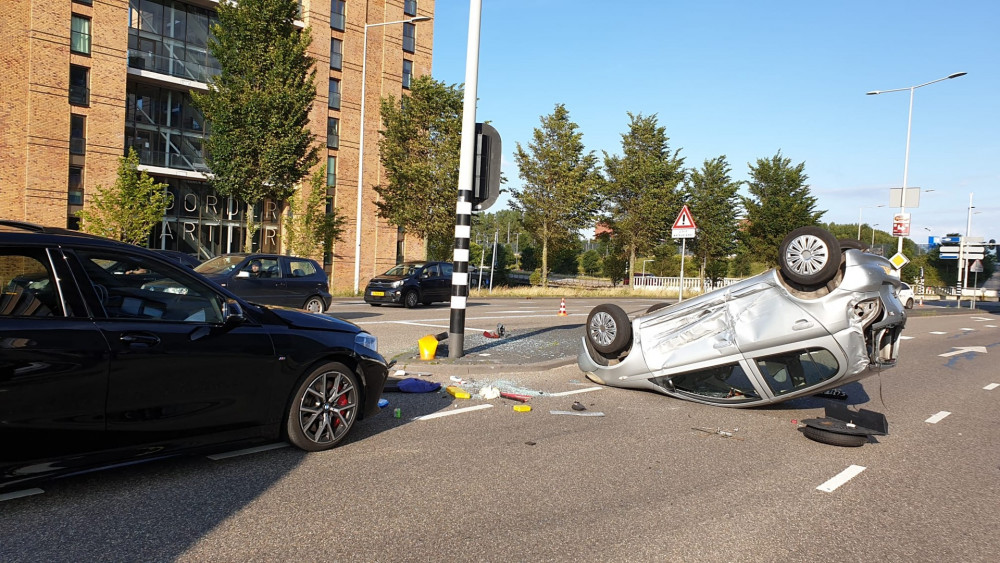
x: 992, y: 386
x: 938, y: 417
x: 843, y: 477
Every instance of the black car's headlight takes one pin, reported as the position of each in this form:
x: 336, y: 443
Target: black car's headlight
x: 397, y: 283
x: 366, y: 340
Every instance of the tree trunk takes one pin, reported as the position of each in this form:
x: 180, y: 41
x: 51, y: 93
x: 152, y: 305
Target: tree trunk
x: 545, y: 256
x: 631, y: 264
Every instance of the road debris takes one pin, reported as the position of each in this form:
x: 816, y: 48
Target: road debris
x: 414, y: 385
x: 489, y: 393
x: 404, y: 373
x: 522, y: 408
x: 575, y: 413
x: 578, y: 406
x: 515, y: 396
x: 457, y: 392
x: 721, y: 432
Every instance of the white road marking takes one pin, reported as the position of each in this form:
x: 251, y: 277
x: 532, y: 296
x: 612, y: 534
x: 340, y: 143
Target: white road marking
x: 436, y: 326
x: 992, y: 386
x: 990, y: 326
x: 906, y: 338
x: 938, y: 417
x: 843, y: 477
x: 938, y: 332
x: 968, y: 329
x: 574, y: 392
x: 247, y: 451
x: 451, y: 412
x: 468, y: 318
x: 513, y: 312
x: 980, y: 318
x: 20, y: 494
x: 962, y: 350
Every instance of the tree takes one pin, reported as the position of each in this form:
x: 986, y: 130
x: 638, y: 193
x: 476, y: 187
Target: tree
x: 309, y: 229
x: 558, y: 196
x: 641, y: 188
x: 420, y: 147
x: 779, y: 201
x: 128, y: 210
x: 713, y: 197
x: 258, y: 106
x: 590, y: 262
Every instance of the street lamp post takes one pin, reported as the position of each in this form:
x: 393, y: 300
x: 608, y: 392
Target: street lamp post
x: 859, y: 216
x: 909, y: 124
x: 872, y: 245
x: 361, y: 145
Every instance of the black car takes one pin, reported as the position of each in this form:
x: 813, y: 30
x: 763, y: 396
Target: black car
x: 110, y: 354
x: 271, y: 279
x: 182, y: 258
x: 410, y: 283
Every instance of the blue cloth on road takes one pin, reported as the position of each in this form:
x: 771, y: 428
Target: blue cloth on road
x: 414, y: 385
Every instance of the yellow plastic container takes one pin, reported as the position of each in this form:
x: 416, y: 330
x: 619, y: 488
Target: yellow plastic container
x: 457, y: 392
x: 428, y: 347
x: 522, y: 408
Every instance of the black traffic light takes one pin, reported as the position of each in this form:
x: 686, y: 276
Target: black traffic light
x: 486, y: 169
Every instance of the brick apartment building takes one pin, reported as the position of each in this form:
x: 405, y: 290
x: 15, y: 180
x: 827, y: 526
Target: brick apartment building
x: 86, y: 79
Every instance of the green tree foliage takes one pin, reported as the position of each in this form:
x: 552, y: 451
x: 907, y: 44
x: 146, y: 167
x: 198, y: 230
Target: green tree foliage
x: 420, y: 148
x: 779, y: 202
x: 529, y: 258
x: 714, y: 201
x: 641, y: 191
x: 309, y: 229
x: 615, y: 262
x: 590, y: 262
x: 558, y: 196
x: 260, y: 146
x: 128, y: 210
x: 565, y: 258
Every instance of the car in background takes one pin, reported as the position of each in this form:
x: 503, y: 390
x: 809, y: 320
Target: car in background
x: 905, y: 295
x: 824, y: 318
x: 111, y: 354
x: 271, y: 279
x: 411, y: 283
x: 182, y: 258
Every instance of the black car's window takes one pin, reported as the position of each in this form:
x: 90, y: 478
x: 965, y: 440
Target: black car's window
x: 27, y: 285
x: 262, y: 268
x: 131, y: 288
x: 727, y: 382
x: 301, y: 268
x: 447, y: 270
x: 403, y: 270
x: 797, y: 370
x: 219, y: 265
x: 431, y: 271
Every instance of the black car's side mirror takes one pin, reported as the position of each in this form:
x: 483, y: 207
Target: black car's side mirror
x: 232, y: 313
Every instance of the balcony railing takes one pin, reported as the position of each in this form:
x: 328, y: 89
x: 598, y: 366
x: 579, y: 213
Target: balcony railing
x: 171, y: 66
x: 194, y: 163
x: 78, y: 146
x: 79, y: 95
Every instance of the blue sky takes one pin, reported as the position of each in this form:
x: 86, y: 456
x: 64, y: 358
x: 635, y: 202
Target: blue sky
x: 747, y: 79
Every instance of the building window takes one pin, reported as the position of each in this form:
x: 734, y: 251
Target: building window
x: 410, y: 7
x: 334, y: 101
x: 79, y: 85
x: 331, y: 171
x: 338, y: 11
x: 75, y: 185
x: 407, y: 73
x: 79, y: 39
x: 77, y: 134
x: 336, y: 54
x: 332, y: 133
x: 409, y: 37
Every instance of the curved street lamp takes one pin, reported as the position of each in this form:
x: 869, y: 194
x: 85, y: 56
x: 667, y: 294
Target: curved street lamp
x: 909, y: 123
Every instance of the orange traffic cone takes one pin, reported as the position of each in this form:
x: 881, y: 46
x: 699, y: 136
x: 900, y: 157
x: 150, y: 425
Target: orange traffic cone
x: 562, y: 308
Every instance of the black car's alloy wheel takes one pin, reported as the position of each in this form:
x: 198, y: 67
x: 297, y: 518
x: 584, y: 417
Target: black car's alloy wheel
x: 314, y: 305
x: 324, y: 408
x: 608, y: 329
x: 411, y: 299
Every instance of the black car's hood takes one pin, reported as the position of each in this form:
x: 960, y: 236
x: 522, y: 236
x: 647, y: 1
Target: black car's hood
x: 302, y: 319
x: 383, y: 279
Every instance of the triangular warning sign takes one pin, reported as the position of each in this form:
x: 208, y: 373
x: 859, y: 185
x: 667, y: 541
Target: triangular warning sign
x: 684, y: 220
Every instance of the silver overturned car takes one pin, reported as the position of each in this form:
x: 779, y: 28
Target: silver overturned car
x: 827, y: 316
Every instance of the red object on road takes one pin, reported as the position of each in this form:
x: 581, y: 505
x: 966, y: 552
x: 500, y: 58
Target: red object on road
x: 515, y: 396
x: 562, y: 308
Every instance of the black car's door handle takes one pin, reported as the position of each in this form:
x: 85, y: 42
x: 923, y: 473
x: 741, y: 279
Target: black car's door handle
x: 140, y: 339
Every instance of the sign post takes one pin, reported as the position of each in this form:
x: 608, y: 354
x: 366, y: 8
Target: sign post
x: 684, y: 228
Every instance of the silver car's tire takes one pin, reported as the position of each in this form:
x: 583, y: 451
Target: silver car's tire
x: 315, y: 304
x: 656, y: 307
x: 809, y: 256
x: 608, y: 329
x: 834, y: 438
x: 323, y: 408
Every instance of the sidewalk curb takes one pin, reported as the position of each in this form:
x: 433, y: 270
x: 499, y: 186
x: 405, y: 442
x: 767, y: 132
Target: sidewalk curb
x: 448, y: 367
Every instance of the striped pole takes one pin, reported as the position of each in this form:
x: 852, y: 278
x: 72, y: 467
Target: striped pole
x: 463, y: 208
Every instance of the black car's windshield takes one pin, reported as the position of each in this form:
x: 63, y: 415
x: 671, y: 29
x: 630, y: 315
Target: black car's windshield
x: 404, y: 269
x: 219, y: 265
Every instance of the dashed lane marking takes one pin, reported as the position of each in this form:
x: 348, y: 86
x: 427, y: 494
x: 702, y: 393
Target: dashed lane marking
x: 968, y: 329
x: 906, y: 337
x: 20, y: 494
x: 247, y: 451
x: 843, y: 477
x: 938, y: 417
x: 981, y: 319
x: 574, y: 392
x: 938, y: 332
x: 451, y: 412
x: 992, y: 386
x: 990, y: 326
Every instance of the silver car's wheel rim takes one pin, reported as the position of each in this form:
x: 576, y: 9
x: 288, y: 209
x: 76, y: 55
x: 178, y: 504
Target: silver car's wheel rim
x: 603, y: 329
x: 806, y: 255
x: 327, y: 408
x: 314, y: 306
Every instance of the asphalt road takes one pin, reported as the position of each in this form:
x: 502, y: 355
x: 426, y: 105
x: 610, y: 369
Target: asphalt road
x: 650, y: 480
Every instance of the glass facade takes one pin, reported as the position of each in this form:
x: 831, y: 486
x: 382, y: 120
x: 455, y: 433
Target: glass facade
x: 165, y: 128
x: 170, y: 38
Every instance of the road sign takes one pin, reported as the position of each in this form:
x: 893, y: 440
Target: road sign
x: 943, y: 240
x: 684, y: 226
x: 977, y: 267
x: 950, y: 249
x: 901, y: 225
x: 899, y: 260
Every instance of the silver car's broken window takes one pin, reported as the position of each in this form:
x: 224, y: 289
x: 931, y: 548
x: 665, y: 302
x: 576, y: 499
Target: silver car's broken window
x: 801, y: 369
x: 727, y: 382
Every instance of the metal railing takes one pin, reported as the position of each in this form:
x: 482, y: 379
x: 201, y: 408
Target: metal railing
x: 199, y: 72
